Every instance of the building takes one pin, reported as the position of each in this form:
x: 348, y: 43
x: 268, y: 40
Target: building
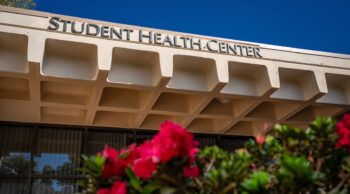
x: 70, y: 85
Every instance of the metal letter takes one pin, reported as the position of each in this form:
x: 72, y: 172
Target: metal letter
x: 175, y: 42
x: 185, y: 41
x: 250, y: 51
x: 113, y: 31
x: 209, y: 46
x: 141, y: 36
x: 65, y: 22
x: 88, y: 32
x: 232, y: 48
x: 196, y: 44
x: 54, y: 25
x: 222, y: 47
x: 128, y: 32
x: 257, y: 52
x: 167, y: 39
x: 104, y: 31
x: 157, y: 38
x: 75, y: 30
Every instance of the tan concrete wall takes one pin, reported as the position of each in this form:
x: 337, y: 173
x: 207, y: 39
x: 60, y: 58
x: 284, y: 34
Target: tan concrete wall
x: 54, y: 77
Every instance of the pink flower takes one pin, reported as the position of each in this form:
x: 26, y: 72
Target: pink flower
x: 113, y: 168
x: 144, y: 168
x: 173, y: 141
x: 343, y: 131
x: 192, y: 154
x: 129, y: 155
x: 118, y: 187
x: 191, y: 171
x: 117, y: 161
x: 109, y: 153
x: 346, y: 120
x: 103, y: 191
x: 149, y: 150
x: 260, y: 139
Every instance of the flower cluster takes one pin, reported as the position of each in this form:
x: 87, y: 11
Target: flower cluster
x: 343, y: 131
x: 311, y: 160
x: 171, y: 143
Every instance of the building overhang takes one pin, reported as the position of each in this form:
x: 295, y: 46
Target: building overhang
x: 64, y: 70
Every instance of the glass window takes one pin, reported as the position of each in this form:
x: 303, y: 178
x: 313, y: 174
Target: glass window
x: 54, y: 186
x: 13, y: 186
x: 97, y: 140
x: 15, y: 150
x: 57, y: 152
x: 142, y: 136
x: 205, y: 140
x: 232, y: 143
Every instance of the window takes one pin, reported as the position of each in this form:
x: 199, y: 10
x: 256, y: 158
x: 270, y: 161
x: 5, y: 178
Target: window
x: 117, y: 139
x: 16, y: 144
x: 54, y: 186
x: 45, y: 160
x: 57, y: 152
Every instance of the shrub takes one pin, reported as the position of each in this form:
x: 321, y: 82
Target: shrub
x: 286, y: 160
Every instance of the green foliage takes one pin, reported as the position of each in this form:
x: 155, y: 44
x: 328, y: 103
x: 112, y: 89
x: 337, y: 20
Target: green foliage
x: 294, y: 140
x: 295, y: 173
x: 92, y: 170
x: 288, y: 160
x: 26, y: 4
x: 171, y: 179
x: 322, y: 137
x: 264, y: 155
x: 258, y: 182
x: 138, y: 186
x: 223, y: 171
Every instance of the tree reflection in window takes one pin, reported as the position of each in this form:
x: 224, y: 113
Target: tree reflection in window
x: 15, y: 150
x: 15, y: 164
x: 58, y: 152
x: 54, y: 186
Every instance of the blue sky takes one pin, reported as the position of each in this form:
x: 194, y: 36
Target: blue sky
x: 310, y: 24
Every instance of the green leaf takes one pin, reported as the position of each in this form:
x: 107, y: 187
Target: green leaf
x: 257, y: 183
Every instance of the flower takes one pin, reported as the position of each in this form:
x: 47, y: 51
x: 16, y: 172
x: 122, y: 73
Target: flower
x: 109, y: 153
x: 346, y: 120
x: 116, y: 162
x: 343, y: 131
x: 192, y: 154
x: 191, y: 171
x: 103, y: 191
x: 144, y: 168
x: 113, y: 168
x: 260, y: 139
x: 129, y: 155
x: 118, y: 187
x: 149, y: 150
x: 173, y: 141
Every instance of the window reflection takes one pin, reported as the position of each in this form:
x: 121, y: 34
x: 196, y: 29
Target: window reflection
x: 15, y: 164
x: 54, y: 164
x: 58, y: 152
x: 13, y: 186
x: 15, y: 150
x: 54, y: 186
